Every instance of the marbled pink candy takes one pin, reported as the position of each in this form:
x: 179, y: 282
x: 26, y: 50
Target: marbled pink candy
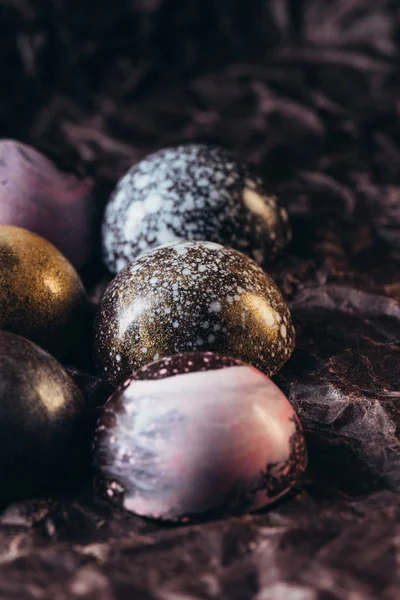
x: 35, y: 195
x: 196, y: 433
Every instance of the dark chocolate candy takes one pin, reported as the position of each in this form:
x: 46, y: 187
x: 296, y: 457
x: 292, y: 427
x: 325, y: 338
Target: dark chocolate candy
x: 192, y: 296
x: 192, y: 192
x: 196, y: 433
x: 42, y: 420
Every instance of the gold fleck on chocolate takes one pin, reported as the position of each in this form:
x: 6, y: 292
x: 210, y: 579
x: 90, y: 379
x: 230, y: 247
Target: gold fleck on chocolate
x: 192, y: 296
x: 41, y: 295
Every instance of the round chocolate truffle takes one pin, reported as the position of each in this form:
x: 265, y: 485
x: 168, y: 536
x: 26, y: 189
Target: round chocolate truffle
x: 192, y: 296
x: 196, y: 433
x: 41, y: 295
x: 35, y: 195
x: 192, y: 192
x: 42, y: 415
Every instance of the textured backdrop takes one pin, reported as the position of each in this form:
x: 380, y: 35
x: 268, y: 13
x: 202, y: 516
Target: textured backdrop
x: 310, y: 92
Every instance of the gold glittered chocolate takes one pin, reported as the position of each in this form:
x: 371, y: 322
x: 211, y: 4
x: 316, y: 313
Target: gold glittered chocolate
x: 192, y: 296
x: 41, y: 295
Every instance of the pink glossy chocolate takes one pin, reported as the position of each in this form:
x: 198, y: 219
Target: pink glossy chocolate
x: 35, y: 195
x: 197, y: 433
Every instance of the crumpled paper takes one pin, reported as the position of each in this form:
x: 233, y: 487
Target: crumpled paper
x: 308, y: 92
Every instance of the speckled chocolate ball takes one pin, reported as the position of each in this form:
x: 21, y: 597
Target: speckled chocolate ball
x: 42, y: 415
x: 35, y: 195
x: 192, y: 296
x: 192, y: 192
x: 41, y: 295
x: 198, y: 433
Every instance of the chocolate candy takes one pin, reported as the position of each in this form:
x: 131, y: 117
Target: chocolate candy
x: 192, y: 192
x: 195, y: 433
x: 41, y: 295
x: 35, y: 195
x: 192, y: 296
x: 42, y: 420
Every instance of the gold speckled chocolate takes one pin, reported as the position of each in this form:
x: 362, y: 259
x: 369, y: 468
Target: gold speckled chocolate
x: 41, y: 295
x: 192, y: 296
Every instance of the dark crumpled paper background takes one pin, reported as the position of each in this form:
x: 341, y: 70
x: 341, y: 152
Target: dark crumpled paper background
x: 310, y: 92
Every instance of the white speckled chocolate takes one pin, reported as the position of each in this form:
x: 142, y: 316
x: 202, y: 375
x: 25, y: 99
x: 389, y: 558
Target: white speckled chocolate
x: 192, y: 296
x: 198, y: 432
x: 192, y: 192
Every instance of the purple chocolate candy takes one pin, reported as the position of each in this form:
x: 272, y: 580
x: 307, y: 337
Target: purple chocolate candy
x: 195, y: 433
x: 35, y: 195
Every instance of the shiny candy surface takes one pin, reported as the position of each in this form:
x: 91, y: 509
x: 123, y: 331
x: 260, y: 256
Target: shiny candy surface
x: 41, y: 419
x: 196, y: 433
x: 41, y: 295
x: 192, y: 192
x: 35, y: 195
x: 192, y: 296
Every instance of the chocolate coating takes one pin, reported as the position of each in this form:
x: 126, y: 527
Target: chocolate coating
x: 35, y: 195
x: 42, y: 416
x: 41, y: 294
x: 192, y: 192
x: 196, y: 433
x: 192, y: 296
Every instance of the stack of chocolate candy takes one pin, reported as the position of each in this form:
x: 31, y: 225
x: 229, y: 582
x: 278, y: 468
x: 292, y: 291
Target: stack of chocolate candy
x: 190, y: 329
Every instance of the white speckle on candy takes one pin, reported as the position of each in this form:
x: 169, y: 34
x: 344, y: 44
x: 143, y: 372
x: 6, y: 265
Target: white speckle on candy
x: 215, y: 306
x: 152, y: 203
